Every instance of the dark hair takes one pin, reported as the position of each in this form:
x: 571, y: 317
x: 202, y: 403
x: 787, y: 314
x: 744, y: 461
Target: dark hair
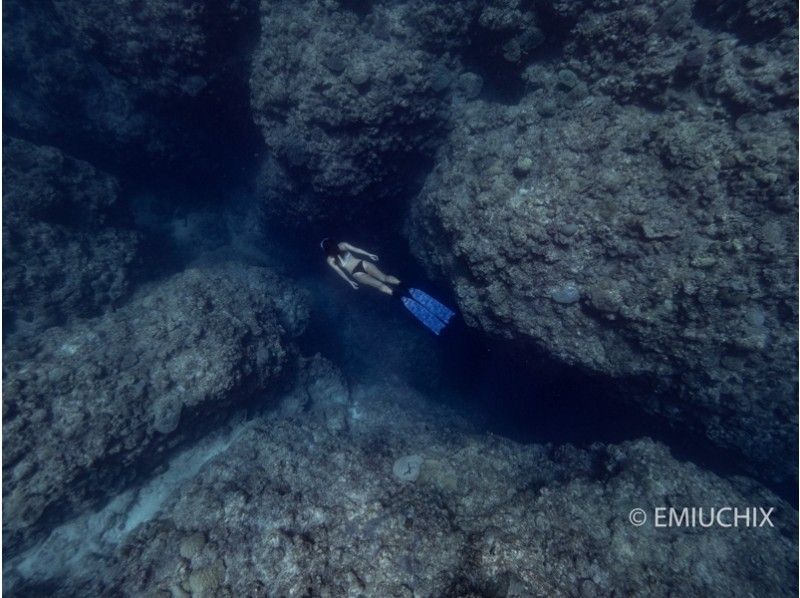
x: 330, y: 246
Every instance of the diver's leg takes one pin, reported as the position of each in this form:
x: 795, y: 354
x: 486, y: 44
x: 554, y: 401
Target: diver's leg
x: 368, y: 280
x: 375, y: 272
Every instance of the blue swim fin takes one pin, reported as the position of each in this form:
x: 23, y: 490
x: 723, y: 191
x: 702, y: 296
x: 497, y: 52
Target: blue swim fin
x: 442, y: 312
x: 419, y: 311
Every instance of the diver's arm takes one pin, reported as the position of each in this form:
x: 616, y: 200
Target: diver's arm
x: 355, y: 249
x: 340, y: 272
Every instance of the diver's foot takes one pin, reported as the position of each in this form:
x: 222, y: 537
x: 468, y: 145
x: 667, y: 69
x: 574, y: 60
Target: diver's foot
x: 399, y: 291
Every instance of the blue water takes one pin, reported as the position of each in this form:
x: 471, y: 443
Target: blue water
x: 187, y: 170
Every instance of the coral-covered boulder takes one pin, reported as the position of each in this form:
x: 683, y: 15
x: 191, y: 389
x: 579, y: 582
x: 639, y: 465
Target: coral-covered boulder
x: 639, y: 244
x: 128, y: 82
x: 161, y: 47
x: 349, y: 102
x: 93, y: 405
x: 409, y: 499
x: 68, y: 242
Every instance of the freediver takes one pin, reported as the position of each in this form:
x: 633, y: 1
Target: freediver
x: 355, y: 266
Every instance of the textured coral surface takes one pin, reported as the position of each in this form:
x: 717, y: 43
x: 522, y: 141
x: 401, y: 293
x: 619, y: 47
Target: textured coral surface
x: 605, y: 192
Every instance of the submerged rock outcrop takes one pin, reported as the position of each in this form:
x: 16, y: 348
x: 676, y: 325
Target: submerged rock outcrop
x: 608, y: 184
x: 639, y: 243
x: 128, y: 83
x: 93, y: 405
x: 334, y: 100
x: 56, y: 91
x: 352, y: 98
x: 69, y: 246
x: 164, y: 48
x: 294, y: 504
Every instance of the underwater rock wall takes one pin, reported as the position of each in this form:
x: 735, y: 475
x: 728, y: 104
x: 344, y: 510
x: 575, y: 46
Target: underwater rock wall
x: 346, y: 107
x: 59, y: 92
x: 69, y: 246
x: 635, y: 213
x: 148, y: 88
x: 352, y: 98
x: 161, y: 47
x: 608, y: 184
x: 94, y: 405
x: 297, y: 503
x: 628, y: 206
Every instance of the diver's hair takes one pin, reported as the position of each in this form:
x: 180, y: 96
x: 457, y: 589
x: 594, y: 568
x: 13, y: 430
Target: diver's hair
x: 330, y: 246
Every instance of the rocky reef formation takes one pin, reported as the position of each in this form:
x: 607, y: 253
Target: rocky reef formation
x: 93, y: 405
x: 607, y: 184
x: 617, y: 186
x: 165, y: 48
x: 59, y: 92
x: 126, y: 81
x: 68, y: 242
x: 635, y: 214
x: 352, y: 98
x: 377, y: 492
x: 339, y: 103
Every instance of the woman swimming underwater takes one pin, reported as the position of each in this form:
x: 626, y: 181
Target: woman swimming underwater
x: 356, y: 267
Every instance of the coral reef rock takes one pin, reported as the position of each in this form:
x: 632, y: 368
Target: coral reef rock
x: 68, y: 242
x: 94, y: 404
x: 292, y: 504
x: 337, y: 100
x: 352, y: 102
x: 161, y: 47
x: 124, y: 81
x: 655, y: 245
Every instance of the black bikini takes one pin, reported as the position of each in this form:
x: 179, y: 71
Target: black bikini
x: 359, y: 266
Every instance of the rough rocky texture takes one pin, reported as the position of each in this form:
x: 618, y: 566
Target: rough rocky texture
x: 351, y: 97
x: 654, y: 53
x: 657, y: 244
x: 614, y: 183
x: 320, y: 387
x: 127, y: 82
x: 56, y: 91
x: 164, y: 47
x: 92, y: 405
x: 296, y: 506
x: 336, y: 101
x: 68, y: 243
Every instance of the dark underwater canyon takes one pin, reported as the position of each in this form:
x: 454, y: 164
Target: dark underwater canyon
x: 194, y: 405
